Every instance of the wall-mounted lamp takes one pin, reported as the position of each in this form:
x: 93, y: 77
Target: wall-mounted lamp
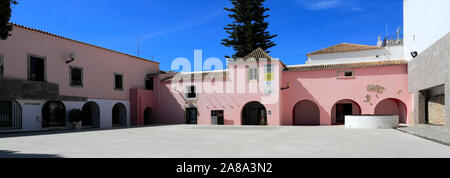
x: 414, y: 54
x: 72, y: 58
x: 287, y: 87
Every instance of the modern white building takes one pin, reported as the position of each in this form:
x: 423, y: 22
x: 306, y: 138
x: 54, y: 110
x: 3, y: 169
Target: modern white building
x: 425, y: 22
x: 427, y: 47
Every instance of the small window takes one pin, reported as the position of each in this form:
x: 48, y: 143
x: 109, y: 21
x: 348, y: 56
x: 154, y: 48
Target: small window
x: 345, y: 74
x: 36, y: 68
x: 253, y: 74
x: 149, y: 83
x: 349, y: 74
x: 118, y: 81
x: 1, y: 66
x: 191, y: 92
x: 76, y: 77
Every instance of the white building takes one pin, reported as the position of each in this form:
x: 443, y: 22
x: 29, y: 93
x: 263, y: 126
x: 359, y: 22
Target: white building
x: 425, y: 22
x: 389, y: 49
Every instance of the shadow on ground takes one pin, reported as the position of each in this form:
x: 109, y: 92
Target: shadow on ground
x: 14, y: 154
x: 63, y: 131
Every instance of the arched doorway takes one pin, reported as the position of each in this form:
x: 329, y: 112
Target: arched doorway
x: 10, y: 114
x: 344, y: 108
x: 254, y: 113
x: 306, y: 113
x: 91, y: 112
x: 148, y: 116
x: 53, y: 114
x: 392, y: 107
x: 119, y: 115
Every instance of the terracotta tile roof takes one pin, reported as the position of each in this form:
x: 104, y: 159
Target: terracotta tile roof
x: 258, y: 55
x: 197, y: 75
x: 346, y: 65
x: 344, y: 47
x: 65, y: 38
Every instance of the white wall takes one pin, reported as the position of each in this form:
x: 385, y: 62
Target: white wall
x: 106, y: 107
x: 425, y: 22
x: 32, y: 113
x: 388, y: 53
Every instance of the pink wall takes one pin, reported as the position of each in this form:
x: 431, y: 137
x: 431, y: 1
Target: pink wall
x: 99, y: 65
x: 392, y: 107
x: 140, y: 100
x: 172, y: 105
x: 323, y: 88
x: 306, y: 113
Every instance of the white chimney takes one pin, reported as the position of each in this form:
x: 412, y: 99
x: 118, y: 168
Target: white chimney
x: 379, y: 43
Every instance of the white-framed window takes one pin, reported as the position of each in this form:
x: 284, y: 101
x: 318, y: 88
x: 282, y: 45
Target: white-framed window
x: 253, y: 74
x: 191, y: 92
x: 1, y: 66
x: 76, y: 76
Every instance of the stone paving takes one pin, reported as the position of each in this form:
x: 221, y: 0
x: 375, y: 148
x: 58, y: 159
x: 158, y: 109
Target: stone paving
x: 184, y: 141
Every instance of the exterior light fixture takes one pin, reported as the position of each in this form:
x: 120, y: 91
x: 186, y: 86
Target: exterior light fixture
x: 72, y: 58
x: 414, y: 54
x: 287, y: 87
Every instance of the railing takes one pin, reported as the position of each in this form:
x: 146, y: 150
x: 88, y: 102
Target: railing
x: 393, y: 40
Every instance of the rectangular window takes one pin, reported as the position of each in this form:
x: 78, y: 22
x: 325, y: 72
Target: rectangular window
x: 36, y: 68
x: 76, y: 76
x: 217, y: 117
x: 345, y: 74
x: 191, y: 92
x: 118, y: 81
x: 149, y: 84
x: 269, y: 72
x: 1, y: 66
x: 253, y: 74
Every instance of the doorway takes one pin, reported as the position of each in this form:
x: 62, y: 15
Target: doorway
x: 119, y: 115
x: 254, y: 113
x: 148, y: 116
x: 191, y: 116
x: 217, y: 118
x: 343, y: 110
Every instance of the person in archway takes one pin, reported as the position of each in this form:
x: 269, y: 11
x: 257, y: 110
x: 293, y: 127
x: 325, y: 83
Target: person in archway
x: 263, y: 119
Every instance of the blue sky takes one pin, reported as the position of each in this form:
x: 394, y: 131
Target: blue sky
x: 169, y: 29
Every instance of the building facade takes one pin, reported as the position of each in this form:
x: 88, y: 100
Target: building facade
x: 427, y: 44
x: 45, y: 76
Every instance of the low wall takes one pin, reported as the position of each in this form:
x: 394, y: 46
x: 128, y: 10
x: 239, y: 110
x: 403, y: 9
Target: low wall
x: 372, y: 122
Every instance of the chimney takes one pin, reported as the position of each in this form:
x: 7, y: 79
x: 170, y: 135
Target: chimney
x: 379, y: 43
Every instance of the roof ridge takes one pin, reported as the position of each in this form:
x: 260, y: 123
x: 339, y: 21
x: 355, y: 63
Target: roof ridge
x: 80, y: 42
x: 347, y: 65
x: 343, y: 47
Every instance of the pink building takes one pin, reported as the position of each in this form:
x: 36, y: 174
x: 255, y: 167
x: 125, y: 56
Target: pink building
x: 44, y: 76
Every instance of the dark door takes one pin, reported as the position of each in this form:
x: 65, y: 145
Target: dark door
x: 343, y: 110
x: 191, y: 116
x: 217, y: 118
x: 147, y: 116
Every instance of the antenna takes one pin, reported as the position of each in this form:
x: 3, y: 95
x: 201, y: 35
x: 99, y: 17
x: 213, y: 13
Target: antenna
x: 138, y: 46
x: 386, y: 29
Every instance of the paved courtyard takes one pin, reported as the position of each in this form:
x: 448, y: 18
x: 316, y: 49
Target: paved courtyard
x: 183, y: 141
